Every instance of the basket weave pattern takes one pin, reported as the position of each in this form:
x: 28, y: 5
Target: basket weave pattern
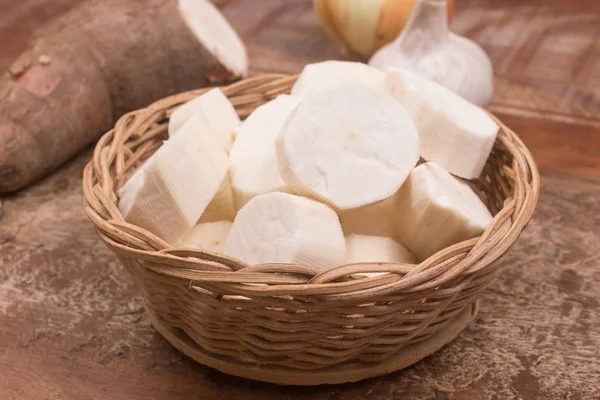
x: 293, y: 324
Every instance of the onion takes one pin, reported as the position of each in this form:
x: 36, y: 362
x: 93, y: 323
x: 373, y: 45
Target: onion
x: 362, y: 26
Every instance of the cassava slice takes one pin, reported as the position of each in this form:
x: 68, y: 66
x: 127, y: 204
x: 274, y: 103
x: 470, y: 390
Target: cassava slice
x: 221, y: 207
x: 207, y: 236
x: 283, y: 228
x: 99, y: 61
x: 373, y: 249
x: 348, y: 146
x: 434, y: 210
x: 253, y: 159
x: 218, y: 112
x: 327, y: 74
x: 376, y: 249
x: 455, y: 134
x: 172, y: 189
x: 373, y: 219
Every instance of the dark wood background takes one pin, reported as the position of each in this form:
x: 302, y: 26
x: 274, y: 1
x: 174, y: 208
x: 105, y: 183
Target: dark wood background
x: 72, y: 325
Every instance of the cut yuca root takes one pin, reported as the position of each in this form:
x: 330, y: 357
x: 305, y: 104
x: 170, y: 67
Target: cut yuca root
x: 169, y: 193
x: 253, y: 159
x: 349, y: 146
x: 129, y: 54
x: 434, y: 210
x: 364, y: 248
x: 212, y: 30
x: 221, y: 207
x: 284, y: 228
x: 373, y: 219
x: 220, y: 116
x: 454, y: 133
x: 216, y: 109
x: 209, y: 236
x: 327, y: 74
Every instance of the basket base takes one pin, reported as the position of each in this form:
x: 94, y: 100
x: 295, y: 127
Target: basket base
x: 406, y: 357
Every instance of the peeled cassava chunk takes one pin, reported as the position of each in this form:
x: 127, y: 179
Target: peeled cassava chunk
x: 169, y: 193
x: 216, y: 109
x: 434, y: 210
x: 253, y: 159
x: 221, y: 207
x: 216, y: 34
x: 222, y: 120
x: 327, y: 74
x: 373, y: 219
x: 365, y: 248
x: 283, y: 228
x: 208, y: 236
x: 455, y: 134
x: 348, y: 146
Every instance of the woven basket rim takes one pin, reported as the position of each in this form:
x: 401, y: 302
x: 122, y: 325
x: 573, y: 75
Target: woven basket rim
x: 469, y: 257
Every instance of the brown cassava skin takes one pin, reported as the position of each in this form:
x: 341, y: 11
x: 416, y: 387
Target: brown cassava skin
x: 99, y: 61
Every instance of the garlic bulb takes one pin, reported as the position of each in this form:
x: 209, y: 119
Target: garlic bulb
x: 363, y: 26
x: 428, y: 48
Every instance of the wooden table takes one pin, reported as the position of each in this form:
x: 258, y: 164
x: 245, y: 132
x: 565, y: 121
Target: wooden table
x: 72, y: 325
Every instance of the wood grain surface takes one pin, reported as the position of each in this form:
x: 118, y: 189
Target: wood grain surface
x: 71, y: 322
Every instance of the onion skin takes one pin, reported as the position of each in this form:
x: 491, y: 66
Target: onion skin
x: 361, y: 27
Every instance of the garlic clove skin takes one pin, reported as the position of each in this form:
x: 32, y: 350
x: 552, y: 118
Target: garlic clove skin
x: 428, y: 48
x: 475, y: 82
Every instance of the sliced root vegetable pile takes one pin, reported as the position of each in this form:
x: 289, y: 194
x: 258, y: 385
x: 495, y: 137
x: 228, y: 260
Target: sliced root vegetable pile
x: 330, y: 176
x: 96, y: 63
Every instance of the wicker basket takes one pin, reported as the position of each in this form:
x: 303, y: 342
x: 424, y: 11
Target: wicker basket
x: 303, y: 326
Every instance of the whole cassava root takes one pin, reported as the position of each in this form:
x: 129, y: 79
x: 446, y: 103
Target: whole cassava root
x: 99, y: 61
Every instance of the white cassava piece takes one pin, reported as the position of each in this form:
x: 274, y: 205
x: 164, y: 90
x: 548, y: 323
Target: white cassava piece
x: 216, y: 109
x: 373, y: 219
x: 365, y: 248
x: 348, y: 146
x: 221, y: 207
x: 454, y: 133
x: 169, y: 193
x: 208, y: 236
x: 434, y: 210
x: 283, y: 228
x: 212, y: 29
x: 327, y: 74
x: 253, y: 159
x: 220, y: 116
